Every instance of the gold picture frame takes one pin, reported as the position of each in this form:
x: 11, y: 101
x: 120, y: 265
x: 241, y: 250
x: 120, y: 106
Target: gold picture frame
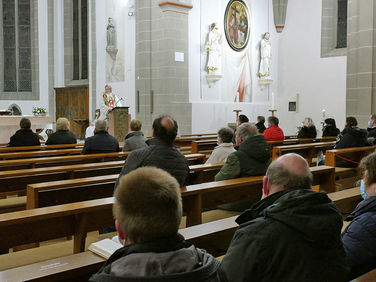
x: 237, y: 28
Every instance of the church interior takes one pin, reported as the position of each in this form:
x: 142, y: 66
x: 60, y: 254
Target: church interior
x: 209, y: 72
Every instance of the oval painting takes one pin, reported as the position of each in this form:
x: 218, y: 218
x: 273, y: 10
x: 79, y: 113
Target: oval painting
x: 237, y: 24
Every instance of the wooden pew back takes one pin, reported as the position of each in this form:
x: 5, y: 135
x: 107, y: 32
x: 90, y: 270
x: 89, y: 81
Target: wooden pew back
x: 351, y: 155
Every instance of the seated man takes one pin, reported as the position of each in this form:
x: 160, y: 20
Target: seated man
x: 148, y: 211
x: 372, y: 126
x: 261, y: 124
x: 292, y: 234
x: 252, y: 158
x: 101, y: 142
x: 225, y: 146
x: 242, y: 119
x: 24, y: 136
x: 134, y: 139
x: 273, y: 132
x: 160, y: 152
x: 62, y: 135
x: 359, y: 238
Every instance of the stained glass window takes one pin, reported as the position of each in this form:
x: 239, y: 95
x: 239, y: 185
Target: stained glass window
x: 80, y: 40
x: 342, y: 24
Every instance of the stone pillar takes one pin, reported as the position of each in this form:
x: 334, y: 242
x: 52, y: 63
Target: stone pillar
x: 161, y: 79
x: 361, y: 60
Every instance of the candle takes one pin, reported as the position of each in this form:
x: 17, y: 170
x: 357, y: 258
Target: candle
x: 273, y: 101
x: 323, y: 113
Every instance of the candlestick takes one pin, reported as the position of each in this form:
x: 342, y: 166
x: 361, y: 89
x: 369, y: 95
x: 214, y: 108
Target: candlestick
x: 272, y: 111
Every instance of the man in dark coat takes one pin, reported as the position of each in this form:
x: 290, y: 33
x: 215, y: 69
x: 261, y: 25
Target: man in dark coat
x: 352, y: 136
x: 359, y: 238
x: 62, y: 135
x: 260, y: 124
x: 24, y: 136
x: 160, y: 152
x: 148, y: 211
x: 252, y: 158
x: 101, y: 142
x: 292, y: 234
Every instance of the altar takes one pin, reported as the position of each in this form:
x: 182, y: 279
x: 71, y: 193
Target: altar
x: 10, y: 124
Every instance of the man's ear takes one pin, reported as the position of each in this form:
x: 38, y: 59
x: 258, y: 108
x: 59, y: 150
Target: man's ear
x: 120, y: 231
x: 265, y: 187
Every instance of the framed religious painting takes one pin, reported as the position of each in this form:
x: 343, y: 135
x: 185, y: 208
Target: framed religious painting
x: 237, y: 27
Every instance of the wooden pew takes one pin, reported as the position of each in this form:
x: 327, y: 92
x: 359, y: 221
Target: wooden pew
x: 346, y: 200
x: 41, y: 147
x: 214, y: 236
x: 195, y: 197
x: 41, y: 153
x: 354, y: 154
x: 15, y: 181
x: 198, y: 135
x: 187, y: 141
x: 308, y: 151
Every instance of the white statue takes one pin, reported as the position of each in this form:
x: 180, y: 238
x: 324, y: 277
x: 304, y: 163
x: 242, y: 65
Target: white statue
x: 111, y: 33
x: 266, y: 57
x: 110, y: 101
x: 213, y: 47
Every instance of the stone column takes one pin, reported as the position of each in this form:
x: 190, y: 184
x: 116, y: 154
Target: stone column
x: 161, y: 80
x: 361, y: 60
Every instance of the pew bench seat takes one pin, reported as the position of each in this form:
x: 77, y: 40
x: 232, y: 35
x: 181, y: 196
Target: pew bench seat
x: 12, y: 204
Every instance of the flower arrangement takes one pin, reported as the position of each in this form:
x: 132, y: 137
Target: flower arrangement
x: 39, y: 111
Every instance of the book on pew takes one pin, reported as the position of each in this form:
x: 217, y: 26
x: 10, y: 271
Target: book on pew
x: 105, y: 248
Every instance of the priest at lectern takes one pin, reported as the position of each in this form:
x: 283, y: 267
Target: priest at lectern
x: 110, y: 101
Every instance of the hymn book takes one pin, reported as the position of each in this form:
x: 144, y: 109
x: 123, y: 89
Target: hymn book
x: 105, y: 248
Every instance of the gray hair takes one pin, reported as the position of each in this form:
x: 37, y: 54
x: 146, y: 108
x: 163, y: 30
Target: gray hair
x: 246, y: 130
x: 101, y: 125
x: 279, y: 175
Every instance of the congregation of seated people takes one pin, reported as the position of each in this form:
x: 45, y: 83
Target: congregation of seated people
x: 291, y: 234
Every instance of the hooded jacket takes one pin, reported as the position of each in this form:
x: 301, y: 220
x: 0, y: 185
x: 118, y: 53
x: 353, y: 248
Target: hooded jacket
x: 252, y: 158
x: 158, y: 154
x: 359, y: 238
x: 352, y: 137
x: 307, y: 132
x: 134, y: 140
x: 166, y: 259
x: 292, y: 235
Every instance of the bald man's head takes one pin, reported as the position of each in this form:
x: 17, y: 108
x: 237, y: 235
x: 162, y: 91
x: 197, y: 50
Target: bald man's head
x: 165, y: 128
x: 289, y: 171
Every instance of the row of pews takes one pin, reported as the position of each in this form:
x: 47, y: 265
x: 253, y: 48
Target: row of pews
x: 71, y: 195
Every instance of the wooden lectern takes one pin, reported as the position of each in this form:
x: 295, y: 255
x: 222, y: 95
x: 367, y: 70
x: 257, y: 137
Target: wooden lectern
x: 118, y: 122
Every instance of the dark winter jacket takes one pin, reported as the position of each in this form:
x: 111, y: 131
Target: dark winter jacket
x: 133, y: 141
x: 371, y: 132
x: 352, y: 137
x: 24, y: 137
x: 260, y: 126
x: 167, y: 259
x: 307, y: 132
x: 101, y: 142
x: 292, y: 235
x: 359, y: 238
x: 252, y: 158
x: 161, y: 155
x: 330, y: 130
x: 61, y: 137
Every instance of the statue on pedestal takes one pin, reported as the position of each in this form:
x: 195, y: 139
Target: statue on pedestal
x: 213, y: 47
x: 266, y: 56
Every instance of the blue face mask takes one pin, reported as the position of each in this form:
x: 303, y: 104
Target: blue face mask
x: 369, y: 124
x: 363, y: 190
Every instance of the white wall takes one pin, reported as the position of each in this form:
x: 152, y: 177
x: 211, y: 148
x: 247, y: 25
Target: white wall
x: 212, y: 104
x: 321, y: 82
x: 125, y: 89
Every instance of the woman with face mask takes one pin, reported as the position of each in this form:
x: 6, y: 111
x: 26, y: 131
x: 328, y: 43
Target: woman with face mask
x: 359, y: 238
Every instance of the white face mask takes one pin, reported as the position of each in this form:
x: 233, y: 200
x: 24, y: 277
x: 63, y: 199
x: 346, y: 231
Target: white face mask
x: 369, y: 124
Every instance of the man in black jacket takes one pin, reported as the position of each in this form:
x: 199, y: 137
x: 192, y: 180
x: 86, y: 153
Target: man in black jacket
x: 101, y: 142
x: 160, y: 152
x: 292, y: 234
x: 148, y: 211
x: 24, y: 136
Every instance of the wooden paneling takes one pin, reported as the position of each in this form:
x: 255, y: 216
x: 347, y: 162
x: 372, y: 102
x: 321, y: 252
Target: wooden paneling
x: 73, y: 103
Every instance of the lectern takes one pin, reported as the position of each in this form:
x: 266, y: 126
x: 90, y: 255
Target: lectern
x: 118, y: 122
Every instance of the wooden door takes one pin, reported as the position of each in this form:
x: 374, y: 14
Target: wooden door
x: 73, y: 103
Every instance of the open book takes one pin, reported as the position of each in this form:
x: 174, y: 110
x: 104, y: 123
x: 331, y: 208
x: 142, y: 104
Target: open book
x: 105, y: 248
